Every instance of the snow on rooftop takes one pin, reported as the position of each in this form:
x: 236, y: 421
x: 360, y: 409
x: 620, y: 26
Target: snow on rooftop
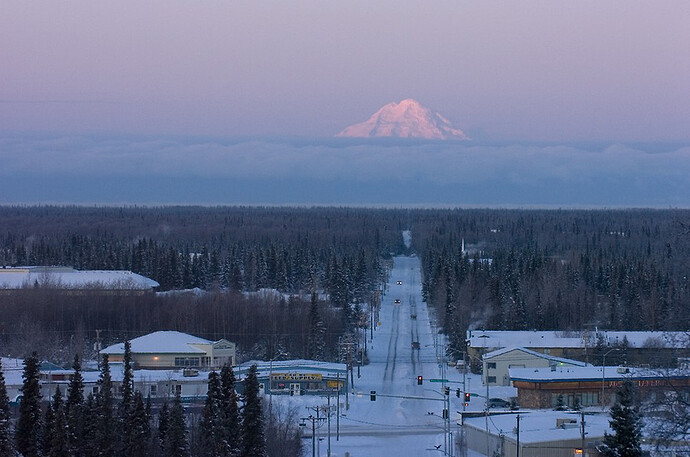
x: 498, y: 352
x: 166, y: 341
x: 590, y: 373
x: 302, y: 365
x: 69, y: 278
x: 491, y: 339
x: 540, y: 426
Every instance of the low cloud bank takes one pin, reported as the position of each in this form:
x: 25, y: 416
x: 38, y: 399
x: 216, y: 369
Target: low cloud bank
x: 209, y: 171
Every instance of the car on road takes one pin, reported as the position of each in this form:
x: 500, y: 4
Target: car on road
x: 415, y: 345
x: 413, y: 316
x: 498, y: 403
x: 396, y: 301
x: 400, y: 283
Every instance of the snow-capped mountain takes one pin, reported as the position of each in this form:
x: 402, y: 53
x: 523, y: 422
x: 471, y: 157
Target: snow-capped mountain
x: 407, y: 119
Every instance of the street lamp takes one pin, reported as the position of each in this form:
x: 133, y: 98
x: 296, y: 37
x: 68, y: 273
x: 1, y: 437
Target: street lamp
x: 603, y: 373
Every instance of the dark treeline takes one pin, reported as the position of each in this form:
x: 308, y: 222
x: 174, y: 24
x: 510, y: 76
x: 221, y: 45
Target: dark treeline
x: 242, y: 249
x: 557, y: 270
x: 522, y: 269
x: 339, y: 253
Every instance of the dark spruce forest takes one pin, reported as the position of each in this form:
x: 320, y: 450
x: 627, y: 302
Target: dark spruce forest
x: 300, y: 280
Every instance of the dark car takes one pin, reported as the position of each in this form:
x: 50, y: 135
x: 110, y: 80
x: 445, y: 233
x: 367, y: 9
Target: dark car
x: 415, y: 345
x: 498, y: 403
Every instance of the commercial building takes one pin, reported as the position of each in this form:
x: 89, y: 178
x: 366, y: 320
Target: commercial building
x: 590, y: 386
x: 495, y: 364
x: 171, y: 349
x: 539, y: 433
x: 298, y: 377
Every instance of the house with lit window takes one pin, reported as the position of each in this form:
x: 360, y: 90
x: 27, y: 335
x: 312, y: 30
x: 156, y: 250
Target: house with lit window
x: 495, y: 364
x: 171, y: 349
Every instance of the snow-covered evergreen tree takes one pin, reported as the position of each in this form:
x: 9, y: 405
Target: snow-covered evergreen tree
x: 74, y: 410
x: 163, y: 421
x: 59, y: 440
x: 28, y: 430
x: 253, y: 441
x: 626, y: 424
x: 212, y: 439
x: 136, y: 441
x: 230, y: 408
x: 316, y: 341
x: 176, y: 443
x: 105, y: 434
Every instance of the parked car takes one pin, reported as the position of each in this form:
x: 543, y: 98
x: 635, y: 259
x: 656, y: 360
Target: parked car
x: 498, y: 403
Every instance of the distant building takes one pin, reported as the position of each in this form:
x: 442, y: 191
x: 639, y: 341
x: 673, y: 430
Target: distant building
x: 636, y: 348
x: 591, y: 386
x: 495, y: 364
x: 69, y: 279
x: 171, y: 349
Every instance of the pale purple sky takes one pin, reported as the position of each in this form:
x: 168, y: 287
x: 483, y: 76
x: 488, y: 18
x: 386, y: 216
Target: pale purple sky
x: 528, y: 70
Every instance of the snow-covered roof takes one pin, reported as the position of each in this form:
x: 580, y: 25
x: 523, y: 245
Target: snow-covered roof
x: 69, y: 278
x: 499, y: 352
x: 591, y: 373
x: 166, y: 341
x: 299, y: 365
x: 9, y: 364
x: 540, y: 426
x: 571, y: 339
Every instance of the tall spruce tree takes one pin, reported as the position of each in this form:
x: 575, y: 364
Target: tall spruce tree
x: 212, y: 439
x: 48, y: 430
x: 74, y: 410
x: 138, y: 429
x: 230, y: 408
x: 626, y: 424
x: 316, y: 341
x: 6, y: 446
x: 59, y: 440
x: 27, y: 433
x: 105, y: 434
x: 253, y: 441
x: 163, y: 421
x: 124, y: 409
x: 176, y: 443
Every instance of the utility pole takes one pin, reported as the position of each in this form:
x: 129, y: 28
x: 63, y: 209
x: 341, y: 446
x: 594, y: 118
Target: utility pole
x: 337, y: 410
x: 313, y: 420
x: 517, y: 445
x: 582, y: 431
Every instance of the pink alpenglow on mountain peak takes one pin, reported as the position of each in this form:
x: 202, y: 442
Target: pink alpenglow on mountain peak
x: 407, y: 119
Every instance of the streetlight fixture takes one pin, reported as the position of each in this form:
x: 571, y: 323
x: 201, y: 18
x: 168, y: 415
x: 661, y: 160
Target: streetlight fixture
x: 603, y: 374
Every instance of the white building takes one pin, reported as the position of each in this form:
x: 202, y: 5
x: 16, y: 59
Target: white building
x: 495, y: 364
x: 171, y: 349
x: 67, y: 278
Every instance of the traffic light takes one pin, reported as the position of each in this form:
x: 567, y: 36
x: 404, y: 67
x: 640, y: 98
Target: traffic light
x: 372, y: 395
x: 419, y: 380
x: 457, y: 392
x: 467, y: 397
x: 446, y: 390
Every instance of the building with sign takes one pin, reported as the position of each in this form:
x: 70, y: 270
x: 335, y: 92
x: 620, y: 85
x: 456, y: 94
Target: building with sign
x: 592, y: 386
x: 298, y: 377
x: 170, y: 349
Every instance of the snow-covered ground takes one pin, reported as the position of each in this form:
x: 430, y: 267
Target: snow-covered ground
x: 406, y: 418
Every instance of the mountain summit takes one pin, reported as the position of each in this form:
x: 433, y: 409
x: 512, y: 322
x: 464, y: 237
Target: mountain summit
x: 407, y: 119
